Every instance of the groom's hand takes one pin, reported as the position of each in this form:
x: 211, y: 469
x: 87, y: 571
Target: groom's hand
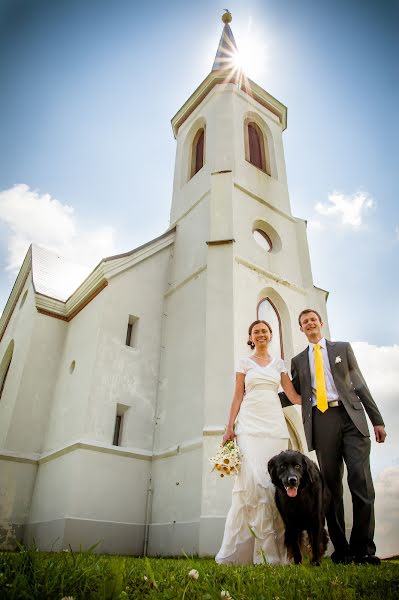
x: 380, y: 433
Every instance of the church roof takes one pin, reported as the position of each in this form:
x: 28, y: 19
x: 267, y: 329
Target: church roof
x: 63, y: 288
x: 55, y: 276
x: 227, y: 48
x: 226, y: 69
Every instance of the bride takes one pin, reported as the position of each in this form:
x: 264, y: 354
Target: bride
x: 254, y: 530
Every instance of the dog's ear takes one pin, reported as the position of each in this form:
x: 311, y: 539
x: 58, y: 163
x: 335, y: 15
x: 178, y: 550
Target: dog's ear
x: 272, y: 468
x: 311, y: 469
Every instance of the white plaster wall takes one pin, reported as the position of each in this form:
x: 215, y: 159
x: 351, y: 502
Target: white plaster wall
x: 122, y: 374
x: 190, y: 249
x: 19, y: 329
x: 16, y: 486
x: 216, y: 113
x: 177, y: 487
x: 91, y: 485
x: 181, y: 387
x: 67, y: 418
x: 219, y: 342
x: 284, y: 261
x: 29, y: 421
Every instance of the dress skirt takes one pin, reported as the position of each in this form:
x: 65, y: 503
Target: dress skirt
x: 254, y: 529
x: 253, y: 508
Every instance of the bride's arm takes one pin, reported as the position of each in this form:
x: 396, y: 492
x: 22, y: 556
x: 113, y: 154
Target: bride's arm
x: 235, y: 406
x: 289, y: 389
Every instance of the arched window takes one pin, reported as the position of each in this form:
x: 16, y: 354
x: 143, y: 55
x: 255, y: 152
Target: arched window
x: 256, y: 151
x: 5, y: 366
x: 197, y: 152
x: 255, y: 145
x: 268, y: 312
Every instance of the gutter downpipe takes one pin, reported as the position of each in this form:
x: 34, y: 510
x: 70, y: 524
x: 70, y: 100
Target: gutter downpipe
x: 150, y: 491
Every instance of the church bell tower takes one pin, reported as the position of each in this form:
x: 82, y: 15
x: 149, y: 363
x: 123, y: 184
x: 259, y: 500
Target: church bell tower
x: 239, y: 255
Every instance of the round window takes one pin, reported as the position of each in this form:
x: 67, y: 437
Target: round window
x: 263, y: 240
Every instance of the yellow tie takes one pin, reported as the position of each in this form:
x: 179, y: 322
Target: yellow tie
x: 321, y: 391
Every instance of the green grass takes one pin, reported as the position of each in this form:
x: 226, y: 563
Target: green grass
x: 30, y: 575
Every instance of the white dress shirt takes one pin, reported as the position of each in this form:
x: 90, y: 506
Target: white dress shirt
x: 332, y: 393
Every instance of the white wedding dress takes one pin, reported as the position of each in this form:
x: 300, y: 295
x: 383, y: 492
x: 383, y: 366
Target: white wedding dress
x: 261, y: 432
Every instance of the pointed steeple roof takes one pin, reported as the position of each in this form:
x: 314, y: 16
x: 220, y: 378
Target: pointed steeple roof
x: 227, y: 46
x: 226, y: 70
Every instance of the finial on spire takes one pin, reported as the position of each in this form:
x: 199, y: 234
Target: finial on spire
x: 227, y: 49
x: 227, y: 16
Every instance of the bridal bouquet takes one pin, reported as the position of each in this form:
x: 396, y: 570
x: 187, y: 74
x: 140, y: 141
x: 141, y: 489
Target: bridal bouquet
x: 227, y: 459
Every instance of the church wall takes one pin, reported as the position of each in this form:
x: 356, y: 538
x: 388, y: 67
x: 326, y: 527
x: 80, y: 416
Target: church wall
x: 19, y: 332
x: 17, y: 480
x: 213, y: 115
x: 94, y: 501
x: 66, y: 421
x: 181, y: 381
x: 36, y: 393
x: 97, y: 487
x: 271, y: 188
x: 284, y: 258
x: 129, y: 375
x: 176, y: 502
x: 190, y: 249
x: 24, y: 408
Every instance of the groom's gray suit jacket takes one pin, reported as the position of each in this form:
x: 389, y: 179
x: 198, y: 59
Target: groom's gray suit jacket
x: 351, y: 387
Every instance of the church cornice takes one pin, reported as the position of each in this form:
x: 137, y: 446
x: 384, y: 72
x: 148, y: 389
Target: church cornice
x: 98, y: 279
x: 246, y: 85
x: 270, y: 275
x: 95, y: 283
x: 266, y: 203
x: 16, y: 292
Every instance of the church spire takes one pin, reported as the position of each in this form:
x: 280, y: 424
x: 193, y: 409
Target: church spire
x: 227, y: 49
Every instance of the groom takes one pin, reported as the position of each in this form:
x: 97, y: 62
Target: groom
x: 334, y: 396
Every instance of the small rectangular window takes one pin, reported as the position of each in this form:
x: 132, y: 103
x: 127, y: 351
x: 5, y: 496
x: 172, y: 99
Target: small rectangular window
x: 131, y: 333
x: 117, y: 430
x: 119, y: 423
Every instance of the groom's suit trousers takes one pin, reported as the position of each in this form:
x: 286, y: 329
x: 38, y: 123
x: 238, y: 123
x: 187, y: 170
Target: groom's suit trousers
x: 336, y: 439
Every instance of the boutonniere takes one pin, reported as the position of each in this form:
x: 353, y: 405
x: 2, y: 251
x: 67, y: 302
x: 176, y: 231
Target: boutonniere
x: 338, y: 360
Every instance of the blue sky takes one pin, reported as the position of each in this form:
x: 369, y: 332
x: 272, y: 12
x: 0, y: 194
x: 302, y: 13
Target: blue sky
x: 87, y: 91
x: 89, y: 88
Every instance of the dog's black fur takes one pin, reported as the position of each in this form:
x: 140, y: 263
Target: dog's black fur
x: 299, y: 498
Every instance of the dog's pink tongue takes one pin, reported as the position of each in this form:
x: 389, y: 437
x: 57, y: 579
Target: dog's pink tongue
x: 291, y: 491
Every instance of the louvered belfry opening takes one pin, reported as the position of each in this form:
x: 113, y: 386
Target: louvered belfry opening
x: 198, y: 151
x: 255, y: 146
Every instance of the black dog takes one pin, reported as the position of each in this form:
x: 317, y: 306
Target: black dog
x: 299, y: 498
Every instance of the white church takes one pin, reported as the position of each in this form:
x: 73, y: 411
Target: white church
x: 114, y: 384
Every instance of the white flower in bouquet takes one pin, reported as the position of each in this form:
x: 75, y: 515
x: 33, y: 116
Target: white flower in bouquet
x: 227, y: 460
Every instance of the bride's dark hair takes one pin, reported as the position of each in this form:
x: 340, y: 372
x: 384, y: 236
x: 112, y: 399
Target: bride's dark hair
x: 250, y: 342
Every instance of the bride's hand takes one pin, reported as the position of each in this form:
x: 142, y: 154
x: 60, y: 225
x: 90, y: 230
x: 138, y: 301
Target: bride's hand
x: 228, y: 435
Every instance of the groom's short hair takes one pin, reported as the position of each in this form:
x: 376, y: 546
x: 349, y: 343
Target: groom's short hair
x: 305, y: 312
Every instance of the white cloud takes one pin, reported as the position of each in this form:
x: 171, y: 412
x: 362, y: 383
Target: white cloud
x: 34, y: 217
x: 348, y: 209
x: 315, y: 225
x: 397, y: 232
x: 387, y: 512
x: 380, y: 367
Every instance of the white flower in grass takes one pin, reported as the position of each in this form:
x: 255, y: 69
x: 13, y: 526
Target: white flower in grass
x: 68, y: 598
x: 193, y: 574
x: 338, y: 360
x: 145, y: 578
x: 225, y: 594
